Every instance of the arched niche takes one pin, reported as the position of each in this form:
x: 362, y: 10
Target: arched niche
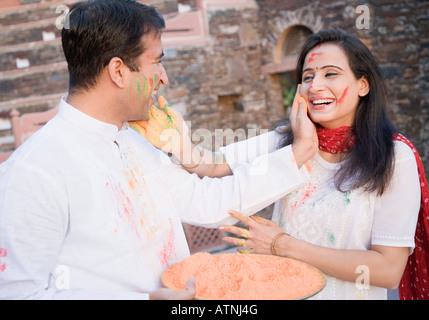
x: 290, y: 43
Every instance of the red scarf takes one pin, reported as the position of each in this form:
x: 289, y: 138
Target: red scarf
x: 340, y: 140
x: 415, y: 280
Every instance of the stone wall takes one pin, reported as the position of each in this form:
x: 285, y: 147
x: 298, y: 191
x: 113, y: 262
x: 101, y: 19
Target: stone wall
x: 400, y: 41
x: 398, y: 36
x: 229, y: 81
x: 219, y: 84
x: 232, y: 79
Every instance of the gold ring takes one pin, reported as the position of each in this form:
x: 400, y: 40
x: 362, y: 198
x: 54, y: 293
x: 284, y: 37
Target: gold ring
x: 244, y: 251
x: 246, y: 234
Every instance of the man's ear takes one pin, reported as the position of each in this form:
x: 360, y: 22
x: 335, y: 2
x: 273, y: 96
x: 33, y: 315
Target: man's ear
x: 364, y: 87
x: 117, y: 71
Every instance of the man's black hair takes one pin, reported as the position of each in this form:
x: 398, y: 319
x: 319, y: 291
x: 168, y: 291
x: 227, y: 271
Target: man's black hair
x: 100, y: 30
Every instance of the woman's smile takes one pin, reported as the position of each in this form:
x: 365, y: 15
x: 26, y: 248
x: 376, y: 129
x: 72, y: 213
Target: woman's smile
x: 320, y: 103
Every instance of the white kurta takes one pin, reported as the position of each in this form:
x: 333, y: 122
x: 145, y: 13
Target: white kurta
x: 320, y: 214
x: 87, y: 211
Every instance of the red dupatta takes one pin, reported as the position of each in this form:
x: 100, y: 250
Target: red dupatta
x: 414, y: 284
x: 415, y: 280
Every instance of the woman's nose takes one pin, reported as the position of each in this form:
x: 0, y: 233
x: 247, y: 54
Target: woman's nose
x: 317, y: 83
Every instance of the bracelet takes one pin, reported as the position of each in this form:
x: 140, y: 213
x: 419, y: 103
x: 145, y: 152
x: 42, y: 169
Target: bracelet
x: 273, y: 243
x: 193, y: 167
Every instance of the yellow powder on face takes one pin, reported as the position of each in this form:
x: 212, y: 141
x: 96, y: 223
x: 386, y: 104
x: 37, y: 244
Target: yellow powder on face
x: 244, y: 277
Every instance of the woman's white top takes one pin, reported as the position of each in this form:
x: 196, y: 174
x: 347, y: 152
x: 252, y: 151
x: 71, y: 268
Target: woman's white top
x: 320, y: 214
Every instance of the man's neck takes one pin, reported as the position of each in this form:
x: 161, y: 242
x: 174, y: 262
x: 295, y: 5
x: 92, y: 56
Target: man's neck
x: 96, y: 105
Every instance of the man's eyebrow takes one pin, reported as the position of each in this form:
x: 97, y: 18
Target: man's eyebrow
x: 324, y: 67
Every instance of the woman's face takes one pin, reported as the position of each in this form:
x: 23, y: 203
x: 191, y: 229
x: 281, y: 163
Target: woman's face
x: 330, y: 87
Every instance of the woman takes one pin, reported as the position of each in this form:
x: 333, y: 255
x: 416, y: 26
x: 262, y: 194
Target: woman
x: 359, y: 213
x: 356, y: 219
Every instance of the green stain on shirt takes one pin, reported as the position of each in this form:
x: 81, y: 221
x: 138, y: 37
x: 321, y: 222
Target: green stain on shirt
x: 347, y: 196
x: 331, y: 237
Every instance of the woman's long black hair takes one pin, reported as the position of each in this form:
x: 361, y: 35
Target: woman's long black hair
x: 370, y: 162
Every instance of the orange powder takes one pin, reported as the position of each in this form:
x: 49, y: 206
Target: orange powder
x: 245, y: 277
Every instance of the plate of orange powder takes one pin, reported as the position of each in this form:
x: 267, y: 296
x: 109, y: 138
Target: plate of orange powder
x: 236, y: 276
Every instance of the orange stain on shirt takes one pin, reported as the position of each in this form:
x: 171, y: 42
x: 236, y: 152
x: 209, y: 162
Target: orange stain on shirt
x: 308, y: 167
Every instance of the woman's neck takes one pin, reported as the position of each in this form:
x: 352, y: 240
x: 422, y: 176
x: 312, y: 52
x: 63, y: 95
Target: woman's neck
x: 331, y: 157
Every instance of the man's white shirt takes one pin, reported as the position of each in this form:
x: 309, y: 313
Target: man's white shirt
x: 90, y: 211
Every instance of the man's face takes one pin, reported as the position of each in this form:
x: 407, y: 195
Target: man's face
x: 146, y: 82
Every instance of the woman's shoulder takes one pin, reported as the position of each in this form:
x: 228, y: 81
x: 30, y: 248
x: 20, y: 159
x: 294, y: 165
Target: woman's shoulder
x: 404, y: 149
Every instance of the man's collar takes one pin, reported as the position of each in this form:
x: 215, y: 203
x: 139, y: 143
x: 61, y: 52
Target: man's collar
x: 86, y: 122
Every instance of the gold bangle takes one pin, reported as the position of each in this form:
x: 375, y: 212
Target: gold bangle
x: 273, y: 243
x: 193, y: 167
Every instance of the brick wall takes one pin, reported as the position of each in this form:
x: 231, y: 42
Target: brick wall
x: 398, y: 36
x: 233, y: 79
x: 219, y: 83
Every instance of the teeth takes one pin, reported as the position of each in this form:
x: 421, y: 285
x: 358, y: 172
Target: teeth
x: 322, y: 101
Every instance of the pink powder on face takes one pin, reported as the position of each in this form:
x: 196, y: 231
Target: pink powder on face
x: 312, y: 56
x: 341, y: 100
x: 244, y: 277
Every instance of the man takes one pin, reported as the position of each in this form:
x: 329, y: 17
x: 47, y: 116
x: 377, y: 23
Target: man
x: 88, y: 207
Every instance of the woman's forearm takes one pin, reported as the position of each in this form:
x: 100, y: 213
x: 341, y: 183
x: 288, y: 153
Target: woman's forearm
x: 381, y: 265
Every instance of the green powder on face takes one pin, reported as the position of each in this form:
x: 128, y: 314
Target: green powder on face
x: 139, y: 89
x: 145, y: 87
